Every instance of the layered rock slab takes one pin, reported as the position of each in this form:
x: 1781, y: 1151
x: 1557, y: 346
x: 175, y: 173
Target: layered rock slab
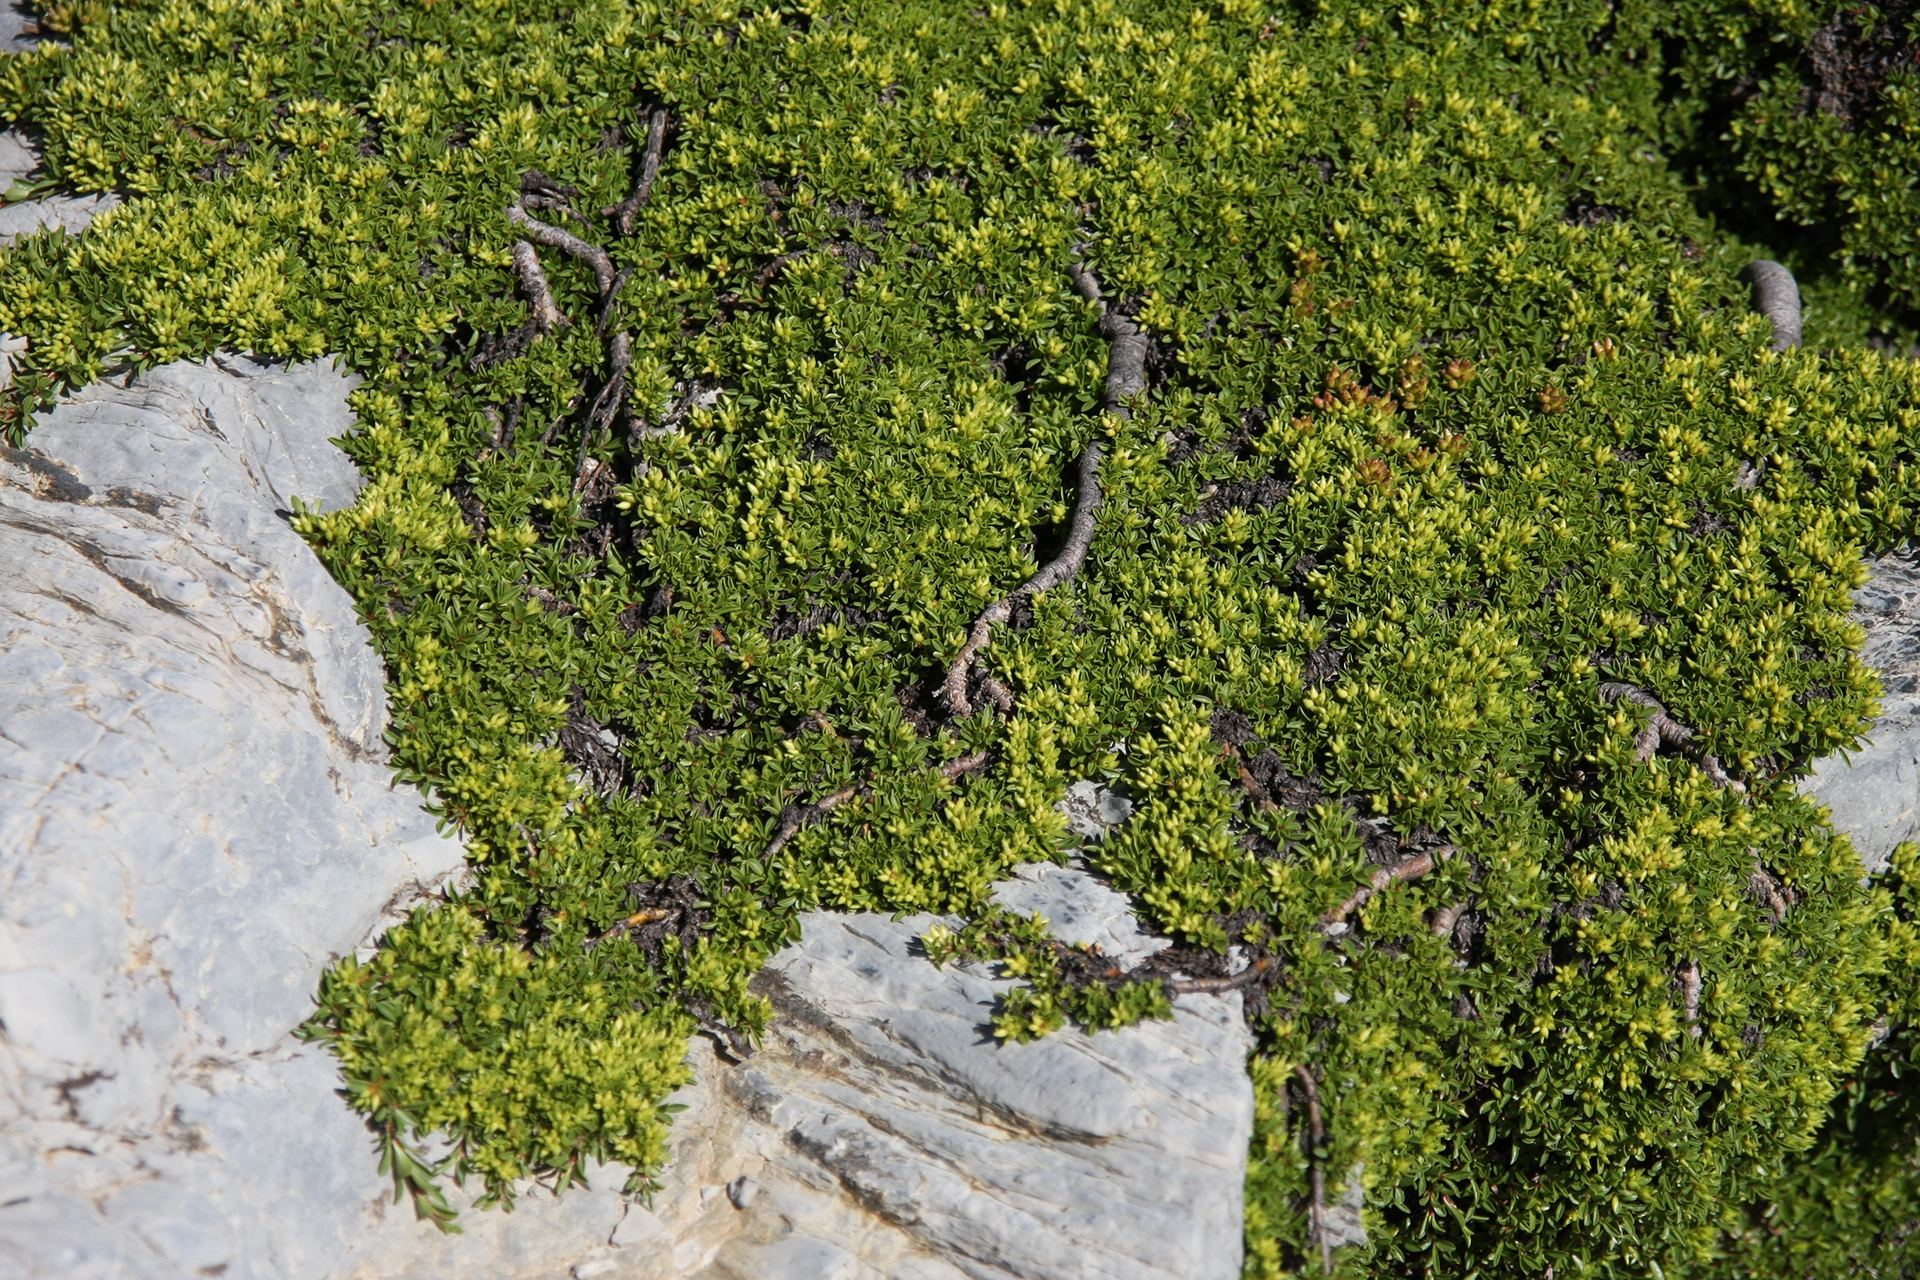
x: 196, y: 817
x: 1874, y: 792
x: 1113, y: 1154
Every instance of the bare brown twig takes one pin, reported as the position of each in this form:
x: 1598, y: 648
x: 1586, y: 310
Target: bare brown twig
x: 1317, y: 1135
x: 565, y: 241
x: 1214, y: 986
x: 627, y: 210
x: 533, y: 282
x: 1690, y: 996
x: 1662, y: 729
x: 1126, y: 377
x: 1406, y: 869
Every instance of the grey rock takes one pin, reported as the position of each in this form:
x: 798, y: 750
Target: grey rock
x: 1345, y: 1220
x: 15, y: 16
x: 1116, y: 1154
x: 70, y: 213
x: 1092, y: 810
x: 1777, y: 297
x: 1081, y: 908
x: 1874, y: 792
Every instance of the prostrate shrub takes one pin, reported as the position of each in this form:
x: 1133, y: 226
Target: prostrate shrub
x: 1468, y: 588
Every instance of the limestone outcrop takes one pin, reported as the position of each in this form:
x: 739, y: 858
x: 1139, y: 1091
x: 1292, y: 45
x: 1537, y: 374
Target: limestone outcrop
x: 196, y: 817
x: 1875, y: 792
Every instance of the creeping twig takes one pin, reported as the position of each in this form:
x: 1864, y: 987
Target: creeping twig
x: 606, y: 406
x: 1126, y: 377
x: 1317, y: 1135
x: 1447, y: 917
x: 565, y: 241
x: 1663, y: 729
x: 961, y: 766
x: 1406, y: 869
x: 1213, y: 986
x: 627, y: 210
x: 533, y: 282
x: 799, y: 817
x: 1690, y: 996
x: 1767, y: 890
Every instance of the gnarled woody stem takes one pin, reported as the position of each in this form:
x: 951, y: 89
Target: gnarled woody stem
x: 565, y: 241
x: 627, y: 210
x: 533, y: 282
x: 1662, y: 728
x: 1126, y: 377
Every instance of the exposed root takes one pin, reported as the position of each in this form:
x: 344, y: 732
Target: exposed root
x: 533, y: 283
x: 627, y: 210
x: 1447, y: 917
x: 607, y: 405
x: 565, y: 241
x: 1406, y: 869
x: 799, y: 817
x: 1213, y: 986
x: 1777, y: 297
x: 1126, y: 376
x: 1690, y: 996
x: 1765, y: 888
x: 1662, y: 729
x: 1317, y: 1136
x: 958, y: 768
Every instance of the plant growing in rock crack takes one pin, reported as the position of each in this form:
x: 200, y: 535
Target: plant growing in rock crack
x: 1461, y: 546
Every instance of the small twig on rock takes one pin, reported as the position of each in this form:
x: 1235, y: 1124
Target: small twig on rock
x: 1662, y: 728
x: 533, y: 283
x: 1317, y: 1136
x: 1777, y: 297
x: 1406, y: 869
x: 627, y: 210
x: 1126, y: 362
x: 1690, y: 996
x: 565, y: 241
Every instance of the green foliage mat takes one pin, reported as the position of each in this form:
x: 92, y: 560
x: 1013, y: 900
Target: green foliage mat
x: 1460, y: 452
